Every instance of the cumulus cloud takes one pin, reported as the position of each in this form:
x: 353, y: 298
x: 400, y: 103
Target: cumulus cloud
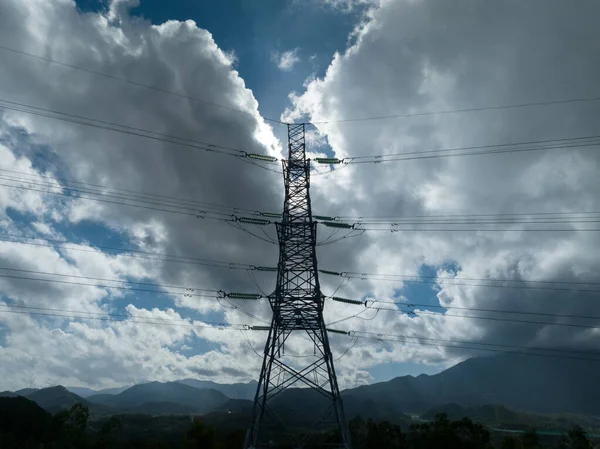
x: 417, y: 56
x: 286, y: 60
x: 406, y: 57
x: 176, y: 56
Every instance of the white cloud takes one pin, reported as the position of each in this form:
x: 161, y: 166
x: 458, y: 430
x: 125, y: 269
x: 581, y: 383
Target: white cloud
x: 286, y: 60
x: 407, y: 56
x: 414, y: 56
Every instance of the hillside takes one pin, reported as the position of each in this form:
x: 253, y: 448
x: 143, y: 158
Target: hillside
x: 539, y: 384
x: 233, y: 391
x: 55, y: 399
x: 196, y: 400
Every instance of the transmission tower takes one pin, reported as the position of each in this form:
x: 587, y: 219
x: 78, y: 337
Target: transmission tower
x: 297, y: 305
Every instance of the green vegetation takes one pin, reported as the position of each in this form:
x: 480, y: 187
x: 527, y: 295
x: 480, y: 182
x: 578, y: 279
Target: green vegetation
x: 25, y: 425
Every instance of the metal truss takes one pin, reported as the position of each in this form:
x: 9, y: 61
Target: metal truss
x: 297, y: 305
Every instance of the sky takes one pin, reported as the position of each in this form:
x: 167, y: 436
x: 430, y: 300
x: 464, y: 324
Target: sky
x: 109, y: 233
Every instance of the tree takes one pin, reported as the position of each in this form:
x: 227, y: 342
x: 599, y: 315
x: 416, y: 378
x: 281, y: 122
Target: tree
x: 575, y: 439
x: 200, y: 436
x: 108, y: 433
x: 530, y: 439
x: 71, y: 425
x: 509, y: 442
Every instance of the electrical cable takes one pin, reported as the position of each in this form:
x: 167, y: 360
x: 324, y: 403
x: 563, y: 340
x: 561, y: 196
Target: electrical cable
x: 466, y: 151
x: 350, y: 346
x: 578, y: 140
x: 139, y: 132
x: 130, y: 252
x: 524, y: 351
x: 356, y: 273
x: 116, y: 287
x: 475, y: 309
x: 471, y: 317
x: 443, y: 282
x: 245, y: 312
x: 455, y: 111
x: 135, y: 83
x: 133, y: 193
x: 114, y: 317
x: 108, y: 280
x: 109, y: 195
x: 250, y: 344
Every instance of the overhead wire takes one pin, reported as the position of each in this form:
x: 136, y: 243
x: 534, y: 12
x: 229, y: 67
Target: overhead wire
x: 134, y: 131
x: 107, y: 286
x: 524, y: 350
x: 434, y: 217
x: 442, y: 282
x: 129, y: 252
x: 132, y: 195
x: 87, y: 315
x: 487, y: 318
x: 477, y: 309
x: 477, y: 150
x: 198, y: 214
x: 455, y: 111
x: 353, y: 273
x: 132, y: 82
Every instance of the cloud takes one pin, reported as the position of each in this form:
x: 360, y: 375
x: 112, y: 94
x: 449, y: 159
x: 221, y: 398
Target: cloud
x: 415, y: 56
x: 287, y: 60
x: 406, y: 56
x: 176, y: 56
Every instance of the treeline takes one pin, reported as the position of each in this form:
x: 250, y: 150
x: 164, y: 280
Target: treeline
x: 24, y: 425
x: 459, y: 434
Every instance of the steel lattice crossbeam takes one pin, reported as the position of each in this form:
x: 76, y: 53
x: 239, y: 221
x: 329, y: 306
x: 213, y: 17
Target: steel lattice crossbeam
x: 297, y: 305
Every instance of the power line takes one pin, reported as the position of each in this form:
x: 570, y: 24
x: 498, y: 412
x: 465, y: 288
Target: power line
x: 548, y: 215
x: 525, y: 350
x: 353, y: 273
x: 132, y: 195
x: 475, y: 309
x: 133, y: 253
x: 138, y: 132
x: 509, y: 320
x: 455, y: 111
x: 459, y: 281
x: 478, y: 150
x: 121, y: 281
x: 184, y: 291
x: 198, y: 214
x: 45, y: 311
x: 135, y: 83
x: 116, y: 287
x: 483, y: 230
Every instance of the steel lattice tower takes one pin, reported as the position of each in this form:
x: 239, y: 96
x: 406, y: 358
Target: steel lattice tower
x: 297, y: 305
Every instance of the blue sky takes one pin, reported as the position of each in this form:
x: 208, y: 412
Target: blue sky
x: 255, y: 31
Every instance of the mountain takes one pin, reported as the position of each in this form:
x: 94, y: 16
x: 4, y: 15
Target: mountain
x: 55, y: 399
x: 84, y: 392
x: 233, y: 391
x: 26, y: 391
x: 197, y: 400
x: 20, y: 416
x: 539, y: 384
x: 8, y: 394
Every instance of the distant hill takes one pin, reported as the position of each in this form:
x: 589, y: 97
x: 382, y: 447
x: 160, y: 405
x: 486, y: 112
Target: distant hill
x: 518, y: 382
x: 8, y: 394
x: 539, y: 384
x: 84, y: 392
x: 233, y: 391
x: 55, y: 399
x: 20, y: 416
x: 26, y: 391
x: 198, y: 401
